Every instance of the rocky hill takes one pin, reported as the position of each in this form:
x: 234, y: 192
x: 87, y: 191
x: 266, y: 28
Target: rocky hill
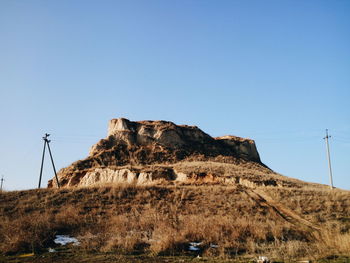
x: 160, y: 151
x: 156, y: 188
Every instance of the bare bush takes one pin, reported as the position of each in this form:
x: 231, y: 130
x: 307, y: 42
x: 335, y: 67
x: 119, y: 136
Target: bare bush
x: 26, y: 233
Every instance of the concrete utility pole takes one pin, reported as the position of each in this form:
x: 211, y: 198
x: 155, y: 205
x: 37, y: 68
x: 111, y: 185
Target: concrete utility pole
x: 329, y: 159
x: 47, y: 141
x: 2, y: 180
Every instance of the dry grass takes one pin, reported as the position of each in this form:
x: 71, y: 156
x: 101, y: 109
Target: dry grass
x: 25, y: 234
x: 164, y: 219
x: 243, y: 172
x: 31, y: 232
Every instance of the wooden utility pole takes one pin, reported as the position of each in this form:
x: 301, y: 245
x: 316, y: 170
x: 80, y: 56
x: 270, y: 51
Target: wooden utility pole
x: 2, y: 180
x: 47, y: 142
x: 329, y: 159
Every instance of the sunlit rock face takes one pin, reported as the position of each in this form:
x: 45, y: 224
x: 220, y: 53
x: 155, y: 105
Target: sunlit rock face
x: 175, y: 137
x: 132, y: 148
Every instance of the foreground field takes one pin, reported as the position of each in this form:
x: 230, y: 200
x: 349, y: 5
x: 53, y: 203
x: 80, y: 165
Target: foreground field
x: 157, y: 222
x: 77, y: 257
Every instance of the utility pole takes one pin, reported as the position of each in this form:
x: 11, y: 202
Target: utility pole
x: 47, y: 142
x: 2, y: 180
x: 329, y: 159
x: 42, y: 158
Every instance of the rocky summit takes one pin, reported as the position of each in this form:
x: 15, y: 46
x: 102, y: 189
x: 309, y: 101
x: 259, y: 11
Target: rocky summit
x: 162, y: 152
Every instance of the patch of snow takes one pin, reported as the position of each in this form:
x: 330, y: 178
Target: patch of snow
x: 194, y: 246
x: 214, y: 246
x: 263, y: 259
x: 51, y: 250
x: 65, y: 239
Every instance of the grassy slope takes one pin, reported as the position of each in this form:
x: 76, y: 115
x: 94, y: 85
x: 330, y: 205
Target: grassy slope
x: 283, y: 223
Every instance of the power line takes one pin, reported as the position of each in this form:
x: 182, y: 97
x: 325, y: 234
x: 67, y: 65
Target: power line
x: 342, y: 141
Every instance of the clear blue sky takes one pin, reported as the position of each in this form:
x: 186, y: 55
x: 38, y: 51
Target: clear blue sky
x: 274, y: 71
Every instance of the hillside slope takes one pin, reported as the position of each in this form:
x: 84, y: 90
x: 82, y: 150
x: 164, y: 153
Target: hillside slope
x: 281, y: 222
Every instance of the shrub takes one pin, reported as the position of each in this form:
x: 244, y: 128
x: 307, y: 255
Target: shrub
x: 27, y: 233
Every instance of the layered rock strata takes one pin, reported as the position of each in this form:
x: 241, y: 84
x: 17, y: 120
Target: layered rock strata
x: 146, y: 151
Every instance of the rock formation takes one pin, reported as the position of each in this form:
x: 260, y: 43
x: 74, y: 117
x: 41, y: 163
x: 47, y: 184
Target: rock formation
x: 149, y: 151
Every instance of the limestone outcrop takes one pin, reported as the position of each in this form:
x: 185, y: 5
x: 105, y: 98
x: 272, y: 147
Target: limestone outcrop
x: 147, y: 151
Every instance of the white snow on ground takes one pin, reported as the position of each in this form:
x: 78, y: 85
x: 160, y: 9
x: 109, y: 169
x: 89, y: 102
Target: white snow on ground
x: 194, y: 246
x: 65, y: 239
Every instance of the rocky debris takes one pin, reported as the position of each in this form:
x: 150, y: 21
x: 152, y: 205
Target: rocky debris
x: 146, y: 151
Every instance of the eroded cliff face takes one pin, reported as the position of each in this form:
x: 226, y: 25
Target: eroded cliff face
x: 146, y: 151
x: 161, y: 141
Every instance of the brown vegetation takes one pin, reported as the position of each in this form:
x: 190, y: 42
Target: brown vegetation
x: 283, y: 223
